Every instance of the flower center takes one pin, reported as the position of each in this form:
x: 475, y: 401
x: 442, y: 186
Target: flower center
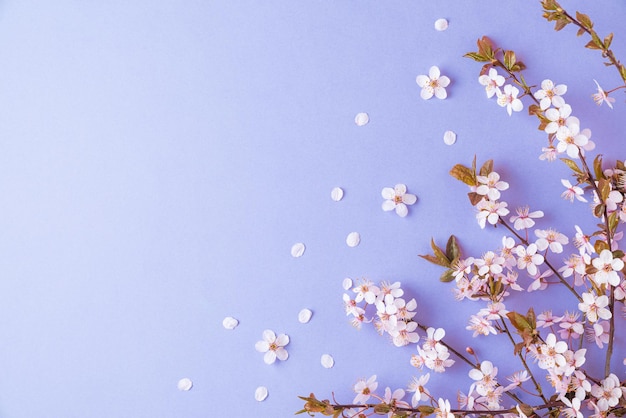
x: 273, y: 347
x: 397, y: 199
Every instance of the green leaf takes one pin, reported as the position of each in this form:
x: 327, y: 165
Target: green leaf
x: 477, y: 57
x: 584, y: 20
x: 597, y: 167
x: 592, y: 45
x: 509, y: 59
x: 561, y: 22
x: 598, y: 211
x: 604, y: 186
x: 519, y: 321
x: 531, y: 318
x: 433, y: 260
x: 441, y: 256
x: 447, y: 276
x: 608, y: 40
x: 613, y: 221
x: 572, y: 165
x: 452, y: 249
x: 425, y: 410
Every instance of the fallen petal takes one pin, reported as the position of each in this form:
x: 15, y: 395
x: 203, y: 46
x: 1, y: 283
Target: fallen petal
x: 304, y: 316
x: 260, y: 394
x: 361, y: 119
x: 297, y: 250
x: 327, y: 361
x: 353, y: 239
x: 185, y: 384
x: 336, y: 194
x: 230, y: 323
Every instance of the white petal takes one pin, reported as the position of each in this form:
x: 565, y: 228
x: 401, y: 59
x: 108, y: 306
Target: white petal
x: 517, y: 105
x: 389, y: 205
x: 269, y: 336
x: 409, y: 198
x: 282, y: 354
x: 269, y: 357
x: 230, y: 323
x: 441, y: 24
x: 260, y: 394
x: 353, y: 239
x: 388, y: 193
x: 402, y: 210
x: 347, y: 283
x: 261, y: 346
x: 440, y: 93
x: 297, y: 249
x: 443, y: 81
x: 304, y: 316
x: 434, y: 72
x: 422, y: 80
x: 449, y: 137
x: 327, y: 361
x: 336, y: 194
x: 427, y: 92
x: 361, y: 119
x: 184, y: 384
x: 400, y: 189
x: 282, y: 340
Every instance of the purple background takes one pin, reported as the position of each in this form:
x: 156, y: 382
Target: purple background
x: 158, y: 159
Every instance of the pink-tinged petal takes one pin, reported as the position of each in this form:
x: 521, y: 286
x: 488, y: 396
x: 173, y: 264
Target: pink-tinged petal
x: 422, y: 80
x: 269, y: 336
x: 402, y: 210
x: 388, y: 205
x: 440, y: 93
x: 476, y: 374
x: 427, y: 92
x: 269, y: 357
x: 388, y: 193
x: 443, y: 81
x: 434, y: 72
x: 409, y: 198
x: 400, y: 189
x: 282, y: 354
x: 262, y: 346
x: 484, y: 79
x: 282, y: 340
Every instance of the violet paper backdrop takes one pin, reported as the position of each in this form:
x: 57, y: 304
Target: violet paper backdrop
x: 159, y: 159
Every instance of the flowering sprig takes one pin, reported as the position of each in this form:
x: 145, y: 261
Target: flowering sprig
x: 550, y: 344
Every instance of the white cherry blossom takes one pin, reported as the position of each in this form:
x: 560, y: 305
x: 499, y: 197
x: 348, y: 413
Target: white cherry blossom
x: 397, y: 198
x: 273, y: 346
x: 364, y: 389
x: 508, y: 98
x: 524, y: 218
x: 491, y: 185
x: 595, y: 306
x: 602, y: 97
x: 607, y: 268
x: 433, y: 84
x: 492, y: 82
x: 572, y: 192
x: 550, y: 94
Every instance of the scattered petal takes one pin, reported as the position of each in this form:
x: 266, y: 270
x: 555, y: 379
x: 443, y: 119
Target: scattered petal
x: 185, y: 384
x: 230, y: 323
x: 297, y: 250
x: 304, y: 316
x: 336, y: 194
x: 353, y: 239
x: 361, y: 119
x: 347, y: 283
x: 441, y: 24
x: 327, y: 361
x: 260, y: 394
x: 449, y: 137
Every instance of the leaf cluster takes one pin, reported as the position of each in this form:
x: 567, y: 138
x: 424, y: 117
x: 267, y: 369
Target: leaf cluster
x: 526, y: 327
x: 445, y: 258
x: 495, y: 57
x: 468, y: 176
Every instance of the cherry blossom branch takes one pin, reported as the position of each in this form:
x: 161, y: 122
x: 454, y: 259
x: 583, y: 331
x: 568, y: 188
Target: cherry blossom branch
x: 521, y: 357
x: 550, y: 266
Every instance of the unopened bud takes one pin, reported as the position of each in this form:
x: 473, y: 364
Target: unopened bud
x: 470, y: 351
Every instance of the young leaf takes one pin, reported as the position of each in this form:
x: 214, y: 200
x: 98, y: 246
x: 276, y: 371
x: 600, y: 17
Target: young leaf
x: 519, y: 321
x: 447, y: 276
x: 476, y: 57
x: 608, y: 40
x: 597, y: 167
x: 509, y: 59
x: 486, y: 168
x: 433, y: 259
x: 452, y: 249
x: 584, y: 20
x: 441, y: 256
x: 464, y: 174
x: 572, y: 165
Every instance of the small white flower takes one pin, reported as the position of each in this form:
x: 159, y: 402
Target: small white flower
x: 273, y: 346
x: 550, y: 94
x: 572, y: 192
x: 491, y: 185
x: 602, y: 97
x: 595, y: 306
x: 492, y: 82
x: 433, y: 84
x: 508, y: 98
x: 607, y: 268
x: 364, y: 389
x: 398, y: 199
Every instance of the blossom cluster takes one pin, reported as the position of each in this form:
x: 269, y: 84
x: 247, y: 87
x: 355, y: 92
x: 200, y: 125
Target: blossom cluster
x: 392, y: 315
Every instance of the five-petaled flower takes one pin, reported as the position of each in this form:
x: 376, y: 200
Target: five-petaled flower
x: 550, y: 94
x: 273, y: 346
x: 364, y: 389
x: 607, y: 267
x: 492, y: 82
x: 398, y: 199
x: 508, y: 98
x: 433, y: 84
